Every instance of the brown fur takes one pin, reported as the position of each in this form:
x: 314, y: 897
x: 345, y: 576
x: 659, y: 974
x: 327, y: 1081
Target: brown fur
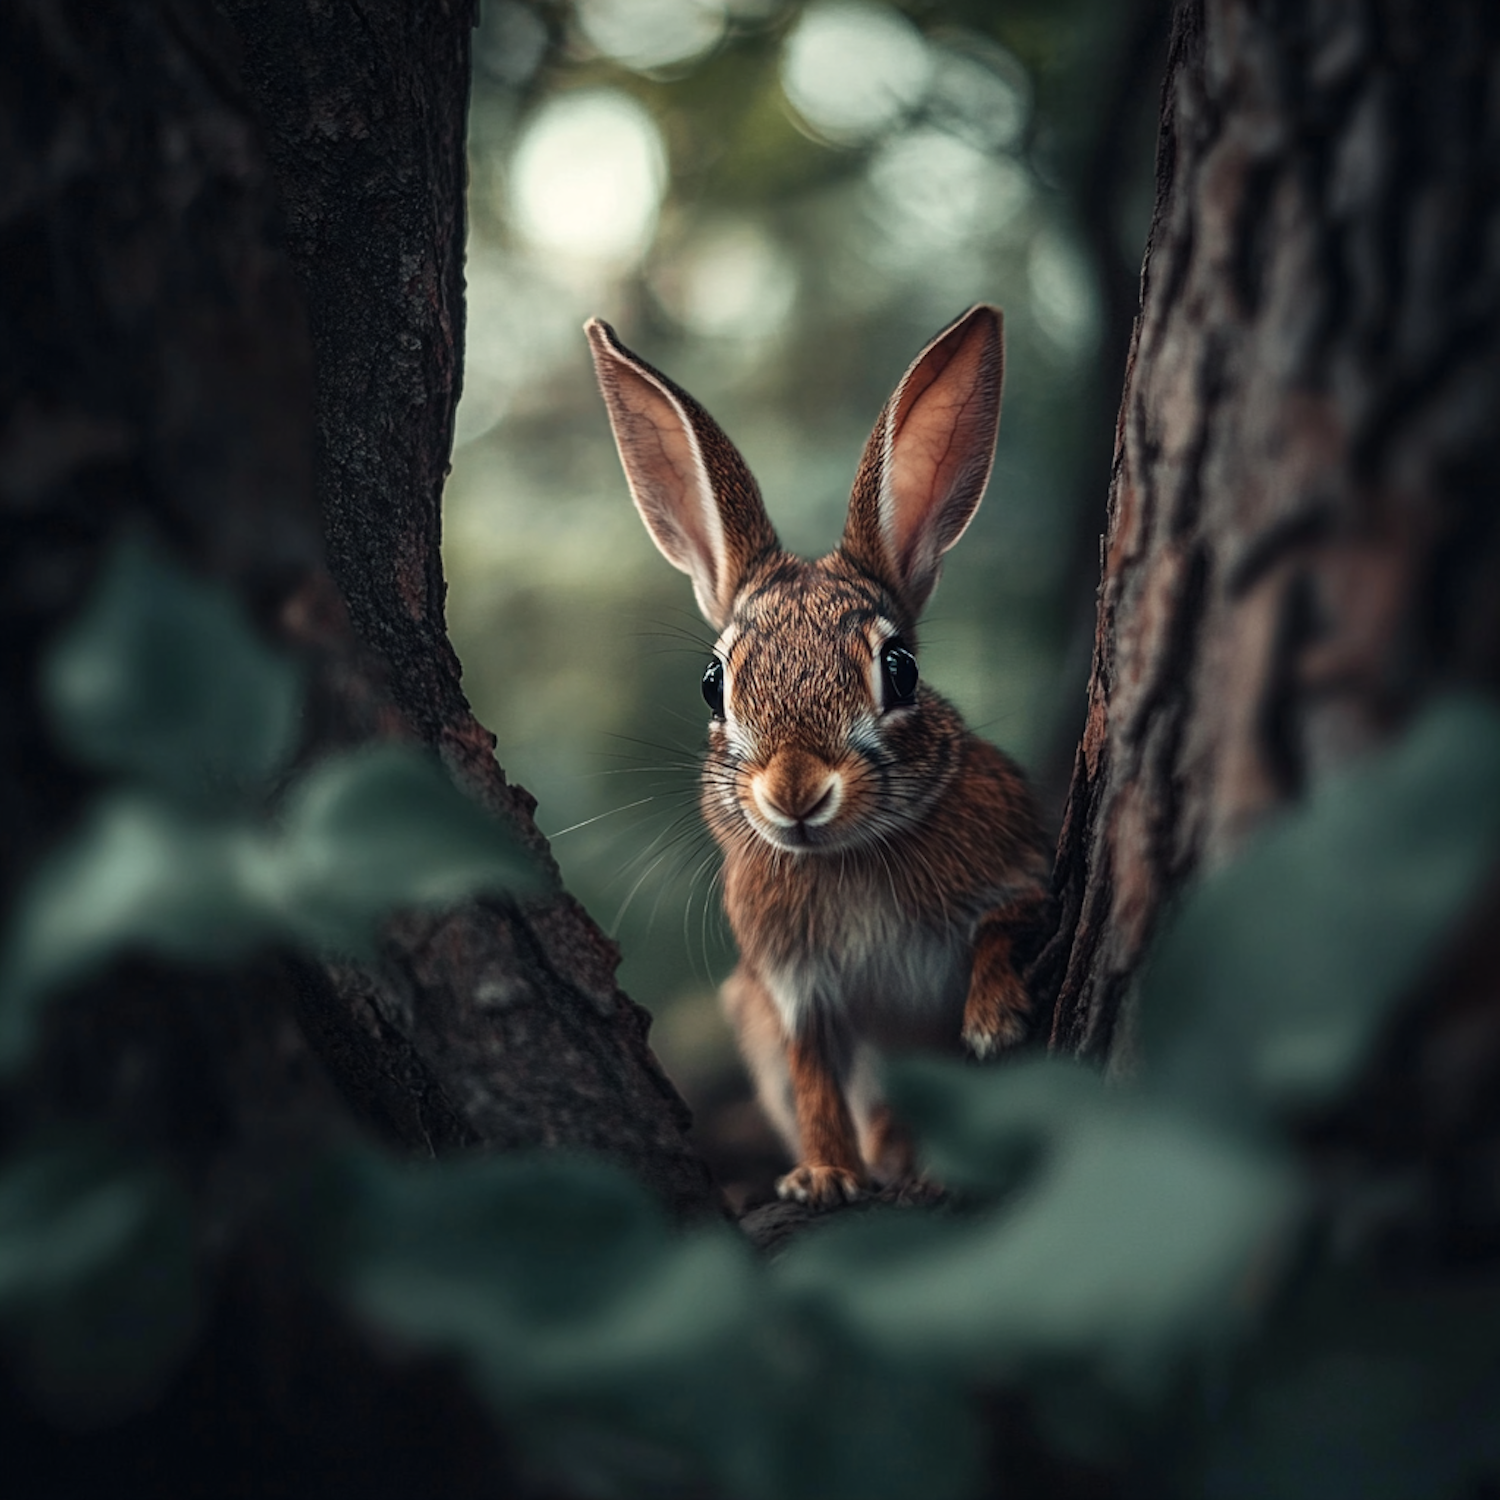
x: 879, y: 859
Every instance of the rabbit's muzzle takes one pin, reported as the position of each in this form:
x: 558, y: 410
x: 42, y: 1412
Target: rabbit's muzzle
x: 795, y: 792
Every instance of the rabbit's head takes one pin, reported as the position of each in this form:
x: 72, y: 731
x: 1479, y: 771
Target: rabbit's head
x: 822, y: 736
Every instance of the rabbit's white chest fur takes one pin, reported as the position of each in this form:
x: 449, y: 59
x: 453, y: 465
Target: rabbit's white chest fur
x: 862, y: 962
x: 912, y: 984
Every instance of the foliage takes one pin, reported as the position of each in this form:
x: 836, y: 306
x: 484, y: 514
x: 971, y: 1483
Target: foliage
x: 161, y: 684
x: 1268, y: 993
x: 1123, y: 1255
x: 97, y: 1291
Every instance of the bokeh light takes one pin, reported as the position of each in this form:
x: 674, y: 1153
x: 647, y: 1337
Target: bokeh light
x: 646, y: 35
x: 586, y: 180
x: 981, y: 93
x: 1063, y: 296
x: 935, y: 189
x: 731, y: 281
x: 850, y: 70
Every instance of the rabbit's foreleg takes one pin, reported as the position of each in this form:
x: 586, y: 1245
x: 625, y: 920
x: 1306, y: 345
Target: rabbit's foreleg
x: 998, y: 1007
x: 829, y: 1168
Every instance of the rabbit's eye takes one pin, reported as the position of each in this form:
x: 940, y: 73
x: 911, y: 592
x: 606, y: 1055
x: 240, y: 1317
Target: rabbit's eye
x: 900, y: 669
x: 713, y: 687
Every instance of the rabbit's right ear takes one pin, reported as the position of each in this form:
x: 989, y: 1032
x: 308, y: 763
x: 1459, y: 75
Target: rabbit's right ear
x: 692, y: 488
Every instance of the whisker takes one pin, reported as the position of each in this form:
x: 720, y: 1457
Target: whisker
x: 679, y: 828
x: 640, y: 770
x: 640, y: 881
x: 681, y: 632
x: 692, y: 752
x: 714, y: 880
x: 625, y: 807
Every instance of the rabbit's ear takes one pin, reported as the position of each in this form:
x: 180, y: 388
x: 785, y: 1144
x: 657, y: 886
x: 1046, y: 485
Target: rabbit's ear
x: 692, y: 488
x: 928, y: 459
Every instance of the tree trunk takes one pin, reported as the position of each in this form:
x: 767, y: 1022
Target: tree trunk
x: 155, y: 374
x: 1303, y: 541
x: 164, y: 250
x: 158, y: 372
x: 486, y: 1026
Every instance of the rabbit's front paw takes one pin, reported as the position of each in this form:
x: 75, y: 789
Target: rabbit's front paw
x: 984, y: 1041
x: 821, y: 1187
x: 995, y: 1018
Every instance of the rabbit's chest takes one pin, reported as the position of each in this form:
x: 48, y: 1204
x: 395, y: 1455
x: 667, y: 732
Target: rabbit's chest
x: 857, y: 955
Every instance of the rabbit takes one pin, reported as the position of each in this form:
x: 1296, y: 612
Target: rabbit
x: 880, y: 860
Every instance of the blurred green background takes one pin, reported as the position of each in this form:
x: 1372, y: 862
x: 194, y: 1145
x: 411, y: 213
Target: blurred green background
x: 778, y: 204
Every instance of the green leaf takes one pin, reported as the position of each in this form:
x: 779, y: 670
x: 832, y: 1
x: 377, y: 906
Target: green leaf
x: 98, y: 1300
x: 978, y: 1136
x: 555, y: 1239
x: 852, y: 1423
x: 1138, y: 1235
x: 629, y: 1359
x: 137, y: 875
x: 1280, y: 971
x: 1366, y: 1392
x: 162, y: 680
x: 384, y: 827
x: 555, y: 1279
x: 363, y: 834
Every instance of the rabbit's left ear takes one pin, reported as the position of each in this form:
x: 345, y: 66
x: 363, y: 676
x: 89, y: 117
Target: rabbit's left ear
x: 692, y: 488
x: 928, y: 460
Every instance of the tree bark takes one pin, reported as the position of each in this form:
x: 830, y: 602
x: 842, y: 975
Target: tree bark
x: 1303, y: 541
x: 159, y: 372
x: 177, y: 200
x: 489, y: 1025
x: 155, y: 375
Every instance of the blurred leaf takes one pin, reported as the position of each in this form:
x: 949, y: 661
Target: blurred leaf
x: 98, y: 1301
x: 162, y: 680
x: 556, y: 1280
x: 558, y: 1237
x: 1366, y: 1394
x: 977, y: 1135
x: 856, y: 1424
x: 380, y: 828
x: 363, y: 834
x: 628, y: 1358
x: 1140, y: 1234
x: 138, y: 874
x: 1281, y: 970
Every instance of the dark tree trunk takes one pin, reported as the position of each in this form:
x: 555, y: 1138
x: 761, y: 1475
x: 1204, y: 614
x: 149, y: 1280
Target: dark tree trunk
x: 155, y: 374
x: 1303, y: 540
x: 158, y: 371
x: 179, y: 203
x: 487, y: 1026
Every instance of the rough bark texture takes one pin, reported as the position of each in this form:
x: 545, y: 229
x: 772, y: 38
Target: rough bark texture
x: 157, y: 368
x: 155, y: 375
x: 1303, y: 540
x: 489, y: 1025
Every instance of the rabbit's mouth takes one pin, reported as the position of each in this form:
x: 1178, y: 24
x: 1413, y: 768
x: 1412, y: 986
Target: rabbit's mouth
x: 799, y: 836
x: 804, y: 836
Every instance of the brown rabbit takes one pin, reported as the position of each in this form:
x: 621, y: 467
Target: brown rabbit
x: 879, y: 859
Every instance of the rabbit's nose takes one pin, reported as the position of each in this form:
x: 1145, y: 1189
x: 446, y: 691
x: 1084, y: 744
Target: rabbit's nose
x: 798, y: 791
